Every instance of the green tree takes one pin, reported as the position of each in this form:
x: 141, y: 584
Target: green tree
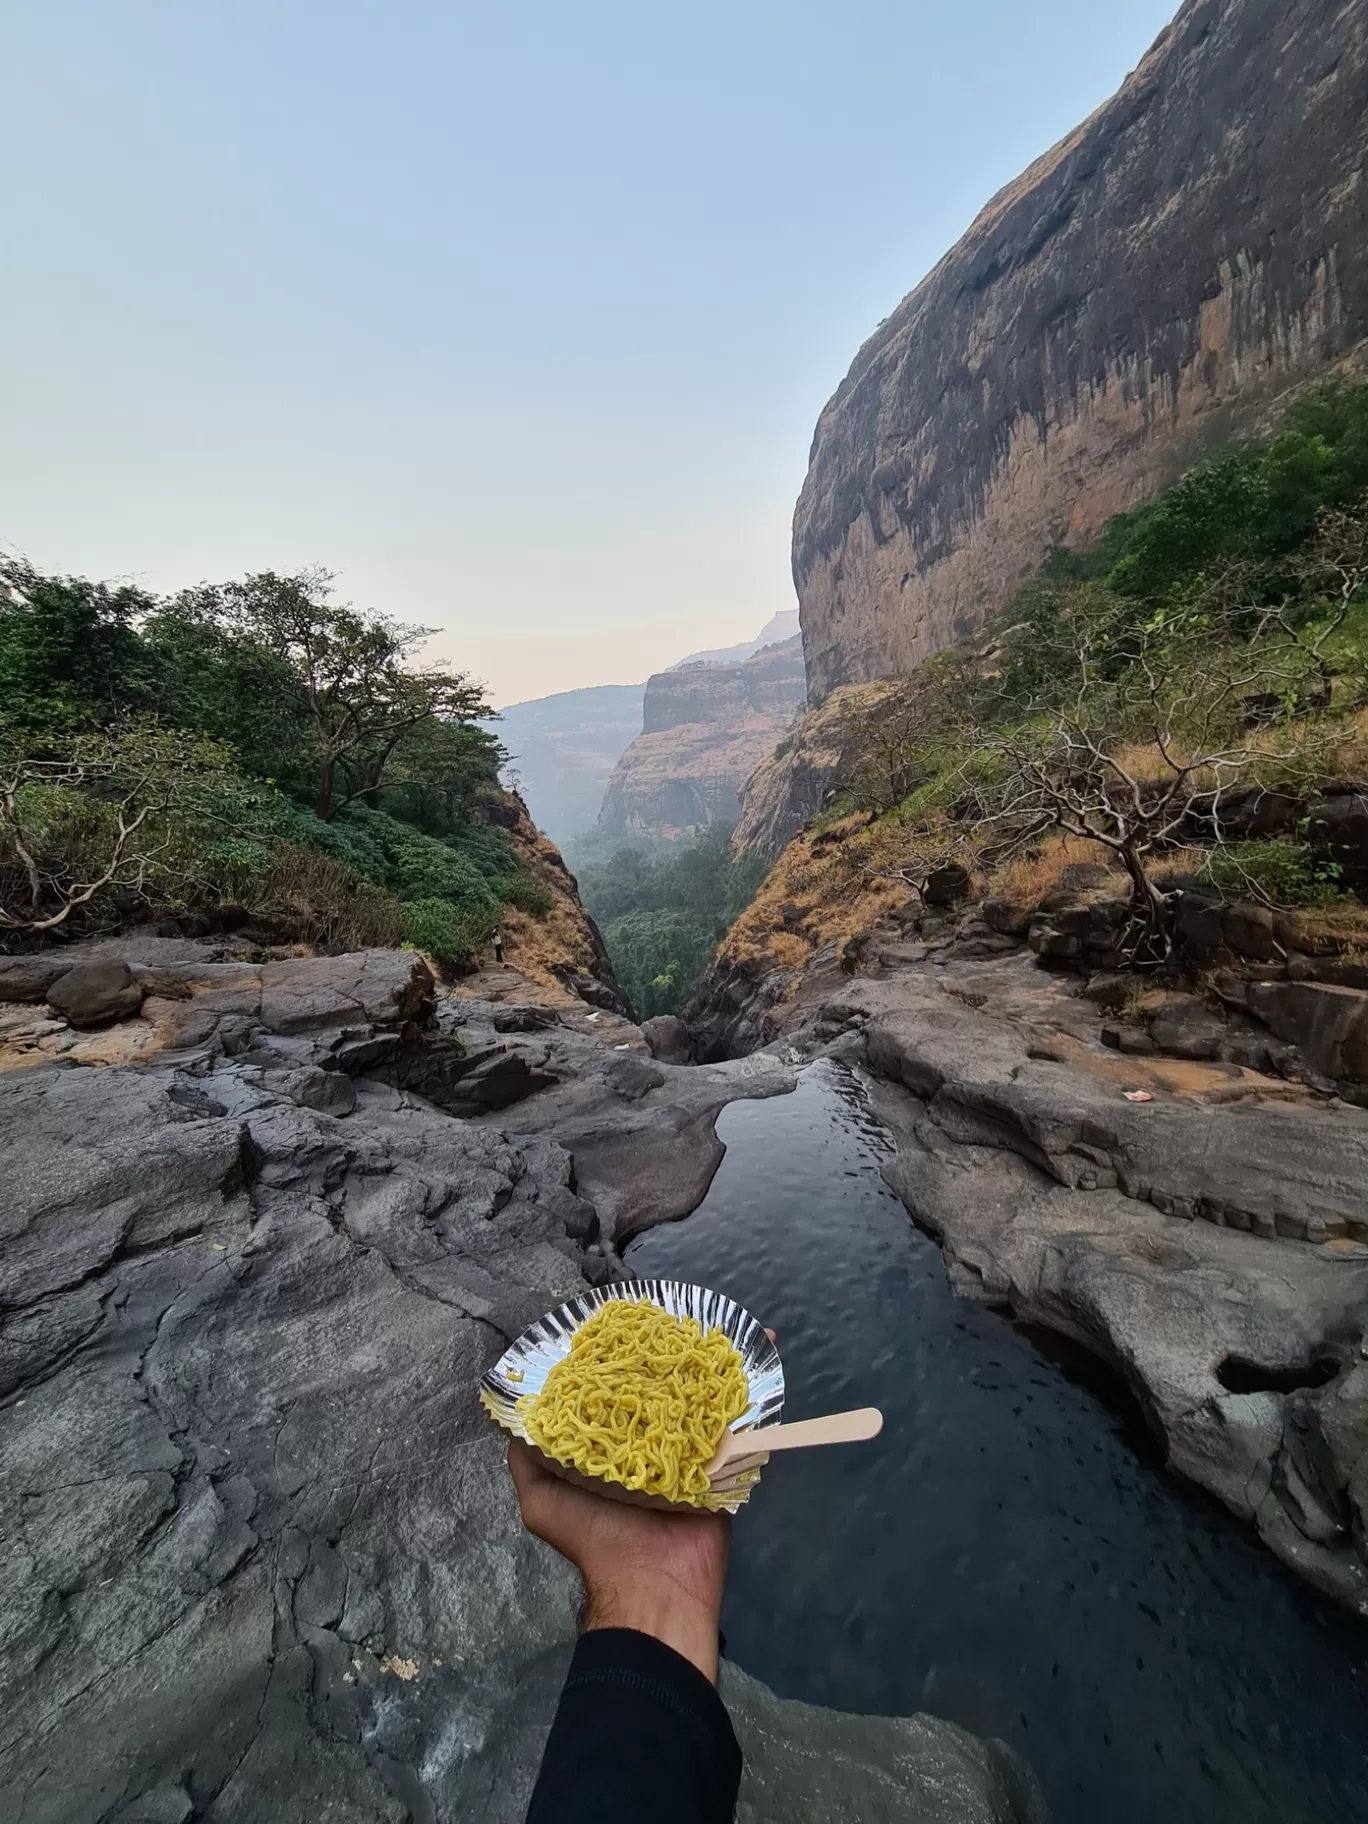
x: 70, y: 656
x: 363, y: 698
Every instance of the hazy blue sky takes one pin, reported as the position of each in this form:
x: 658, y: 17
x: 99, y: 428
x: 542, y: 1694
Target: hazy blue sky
x: 517, y: 316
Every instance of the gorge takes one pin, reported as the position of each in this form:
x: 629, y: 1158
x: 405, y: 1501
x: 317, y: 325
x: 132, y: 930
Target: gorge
x: 1017, y: 1105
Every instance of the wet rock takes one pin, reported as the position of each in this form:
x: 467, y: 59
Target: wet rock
x: 95, y: 994
x: 258, y: 1545
x: 1169, y: 1236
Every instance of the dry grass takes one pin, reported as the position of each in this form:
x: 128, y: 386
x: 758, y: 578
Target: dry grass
x: 1177, y: 862
x: 535, y: 942
x: 327, y: 902
x: 1351, y: 756
x: 844, y: 875
x: 1029, y: 878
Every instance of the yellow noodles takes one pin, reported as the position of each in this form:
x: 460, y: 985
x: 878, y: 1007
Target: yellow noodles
x: 642, y: 1399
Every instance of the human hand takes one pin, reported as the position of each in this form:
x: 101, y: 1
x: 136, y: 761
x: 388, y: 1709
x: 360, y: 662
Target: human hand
x: 661, y: 1573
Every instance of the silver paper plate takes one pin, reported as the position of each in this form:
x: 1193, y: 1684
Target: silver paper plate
x: 523, y: 1367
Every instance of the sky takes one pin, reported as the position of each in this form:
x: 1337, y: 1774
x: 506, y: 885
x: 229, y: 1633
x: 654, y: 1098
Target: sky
x: 518, y: 317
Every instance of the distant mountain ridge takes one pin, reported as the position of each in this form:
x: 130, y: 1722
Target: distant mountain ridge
x: 705, y: 730
x: 563, y: 748
x: 780, y: 627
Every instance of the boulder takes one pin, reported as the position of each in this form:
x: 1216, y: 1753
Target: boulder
x: 1327, y: 1024
x: 1110, y: 989
x: 946, y: 886
x: 330, y: 1092
x: 1338, y: 830
x: 1200, y: 924
x: 96, y: 994
x: 1184, y: 1026
x: 668, y: 1038
x: 1006, y: 917
x: 28, y: 978
x: 1051, y: 944
x: 1248, y: 930
x: 380, y: 987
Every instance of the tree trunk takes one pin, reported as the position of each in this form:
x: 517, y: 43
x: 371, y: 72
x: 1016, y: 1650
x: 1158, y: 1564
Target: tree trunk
x: 326, y: 787
x: 1151, y: 913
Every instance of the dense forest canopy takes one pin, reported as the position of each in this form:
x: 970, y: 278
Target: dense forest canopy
x: 254, y: 742
x: 663, y: 913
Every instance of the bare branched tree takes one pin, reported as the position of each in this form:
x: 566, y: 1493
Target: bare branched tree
x: 1146, y: 756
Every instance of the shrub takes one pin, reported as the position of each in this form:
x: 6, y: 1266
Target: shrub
x: 1279, y: 872
x: 445, y: 932
x: 327, y: 902
x: 526, y: 892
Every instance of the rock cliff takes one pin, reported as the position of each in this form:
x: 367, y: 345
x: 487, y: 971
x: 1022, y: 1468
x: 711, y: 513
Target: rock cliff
x: 559, y: 949
x: 1151, y: 286
x: 816, y: 756
x: 705, y: 728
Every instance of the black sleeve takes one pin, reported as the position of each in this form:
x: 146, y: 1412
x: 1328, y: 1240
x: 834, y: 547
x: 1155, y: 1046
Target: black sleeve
x: 640, y: 1737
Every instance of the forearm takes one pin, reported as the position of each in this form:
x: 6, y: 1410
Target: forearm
x: 661, y: 1608
x: 640, y: 1737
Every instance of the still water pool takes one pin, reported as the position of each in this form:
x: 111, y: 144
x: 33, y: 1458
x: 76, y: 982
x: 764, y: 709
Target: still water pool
x: 1009, y: 1553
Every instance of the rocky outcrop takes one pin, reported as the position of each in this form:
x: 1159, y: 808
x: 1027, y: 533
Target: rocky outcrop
x: 559, y: 948
x: 562, y: 749
x: 259, y: 1552
x: 778, y: 628
x: 705, y: 728
x: 815, y: 758
x: 1149, y: 287
x: 801, y: 1762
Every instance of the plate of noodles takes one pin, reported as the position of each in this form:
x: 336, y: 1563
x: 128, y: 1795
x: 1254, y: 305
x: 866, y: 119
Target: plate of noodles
x: 630, y: 1388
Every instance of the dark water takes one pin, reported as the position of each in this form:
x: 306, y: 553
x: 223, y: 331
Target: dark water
x: 1009, y: 1554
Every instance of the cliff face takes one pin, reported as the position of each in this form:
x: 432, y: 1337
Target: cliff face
x: 1149, y: 287
x: 705, y: 728
x: 790, y: 785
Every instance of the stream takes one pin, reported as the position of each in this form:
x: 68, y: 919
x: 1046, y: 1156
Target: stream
x: 1010, y: 1553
